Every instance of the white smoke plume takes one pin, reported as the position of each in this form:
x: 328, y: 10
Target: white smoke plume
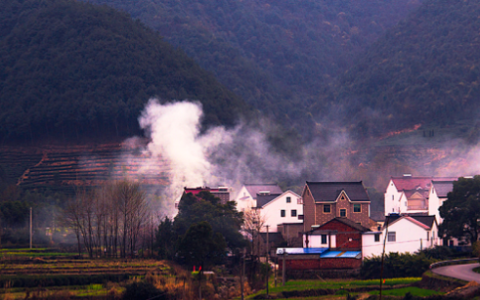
x: 217, y: 157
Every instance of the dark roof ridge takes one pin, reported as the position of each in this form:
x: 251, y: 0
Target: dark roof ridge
x: 331, y: 182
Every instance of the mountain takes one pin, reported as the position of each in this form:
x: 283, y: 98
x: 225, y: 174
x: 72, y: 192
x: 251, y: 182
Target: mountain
x: 278, y: 55
x: 423, y: 72
x: 70, y: 69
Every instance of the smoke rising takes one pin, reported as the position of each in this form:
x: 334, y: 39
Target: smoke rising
x: 225, y: 157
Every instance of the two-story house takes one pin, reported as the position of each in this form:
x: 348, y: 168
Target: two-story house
x: 279, y: 209
x: 324, y: 201
x: 411, y: 194
x: 246, y: 198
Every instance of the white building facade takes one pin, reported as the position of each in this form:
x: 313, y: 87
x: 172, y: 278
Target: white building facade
x: 405, y: 234
x: 279, y: 209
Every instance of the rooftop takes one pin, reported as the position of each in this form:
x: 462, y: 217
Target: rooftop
x: 329, y: 191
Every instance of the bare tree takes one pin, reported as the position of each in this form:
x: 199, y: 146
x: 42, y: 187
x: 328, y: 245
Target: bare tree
x: 115, y: 214
x: 253, y: 223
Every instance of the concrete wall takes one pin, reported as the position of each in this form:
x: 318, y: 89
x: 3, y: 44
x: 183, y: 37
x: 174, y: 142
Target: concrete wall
x: 271, y: 212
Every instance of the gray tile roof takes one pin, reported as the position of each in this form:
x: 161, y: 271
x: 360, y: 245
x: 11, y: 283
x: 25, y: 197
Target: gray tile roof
x: 264, y: 199
x: 254, y: 189
x: 442, y: 188
x: 329, y: 191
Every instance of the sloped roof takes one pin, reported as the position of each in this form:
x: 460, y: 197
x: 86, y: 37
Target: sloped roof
x: 329, y: 191
x: 347, y: 222
x: 423, y: 193
x: 427, y: 220
x: 422, y: 220
x: 442, y: 188
x: 403, y: 183
x: 264, y: 199
x: 254, y: 189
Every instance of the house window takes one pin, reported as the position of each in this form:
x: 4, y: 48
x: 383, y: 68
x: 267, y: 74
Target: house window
x: 324, y: 239
x: 393, y: 197
x: 357, y: 208
x: 289, y: 199
x: 392, y: 236
x: 294, y: 213
x: 300, y: 217
x: 377, y: 237
x: 428, y: 236
x: 343, y: 212
x: 326, y: 208
x: 282, y: 213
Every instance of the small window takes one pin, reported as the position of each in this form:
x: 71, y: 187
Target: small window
x: 282, y: 213
x: 377, y: 237
x: 294, y: 213
x: 428, y: 236
x: 392, y: 236
x: 393, y: 197
x: 326, y: 208
x: 300, y: 217
x: 289, y: 199
x: 357, y: 208
x: 343, y: 212
x: 324, y: 239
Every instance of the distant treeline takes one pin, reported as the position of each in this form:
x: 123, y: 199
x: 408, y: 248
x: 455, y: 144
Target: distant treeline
x: 72, y: 69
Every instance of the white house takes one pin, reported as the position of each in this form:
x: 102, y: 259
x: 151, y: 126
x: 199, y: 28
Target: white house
x: 405, y: 234
x: 278, y: 209
x: 438, y: 194
x: 247, y: 196
x: 412, y: 194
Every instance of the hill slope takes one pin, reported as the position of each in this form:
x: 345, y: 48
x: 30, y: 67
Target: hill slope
x: 424, y: 71
x: 69, y: 68
x: 277, y: 54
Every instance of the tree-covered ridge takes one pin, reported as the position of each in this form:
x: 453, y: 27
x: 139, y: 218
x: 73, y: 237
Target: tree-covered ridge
x: 278, y: 55
x: 72, y: 68
x: 424, y: 71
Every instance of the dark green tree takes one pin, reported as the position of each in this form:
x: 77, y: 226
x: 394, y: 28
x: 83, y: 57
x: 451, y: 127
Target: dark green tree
x: 165, y: 239
x: 201, y: 246
x: 461, y: 210
x: 223, y: 218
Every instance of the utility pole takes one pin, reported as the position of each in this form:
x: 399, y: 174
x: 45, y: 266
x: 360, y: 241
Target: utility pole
x: 243, y: 272
x: 30, y: 227
x: 283, y: 267
x: 268, y: 252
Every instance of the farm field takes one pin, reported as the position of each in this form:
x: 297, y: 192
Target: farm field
x: 43, y: 273
x: 338, y: 289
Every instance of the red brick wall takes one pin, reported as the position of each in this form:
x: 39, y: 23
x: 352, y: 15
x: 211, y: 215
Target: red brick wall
x: 345, y: 233
x: 308, y: 210
x: 321, y: 263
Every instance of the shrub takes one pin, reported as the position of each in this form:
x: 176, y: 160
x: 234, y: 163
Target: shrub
x: 142, y: 290
x: 396, y: 265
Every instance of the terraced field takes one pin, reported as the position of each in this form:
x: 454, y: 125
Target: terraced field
x: 74, y: 165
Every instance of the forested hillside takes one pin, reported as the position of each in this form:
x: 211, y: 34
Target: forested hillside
x: 424, y: 71
x: 278, y: 55
x: 70, y: 69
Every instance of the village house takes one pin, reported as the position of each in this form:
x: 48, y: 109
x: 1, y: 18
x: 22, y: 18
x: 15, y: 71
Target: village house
x: 419, y: 195
x: 223, y: 193
x: 246, y: 198
x: 279, y: 209
x: 324, y: 201
x: 405, y: 233
x: 411, y: 194
x: 333, y: 249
